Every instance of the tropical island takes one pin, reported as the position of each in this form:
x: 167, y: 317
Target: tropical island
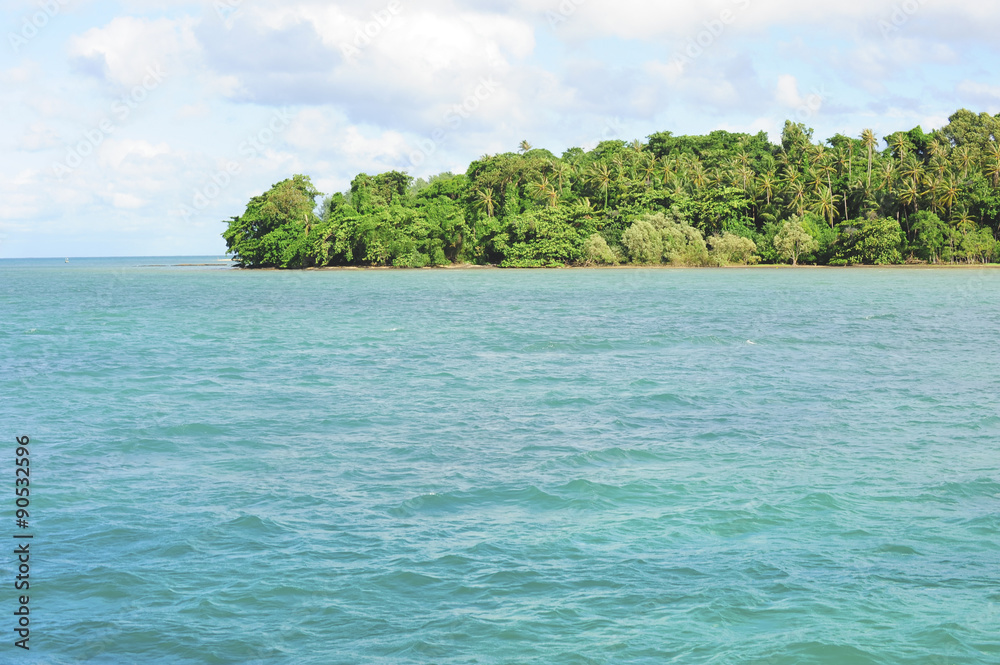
x: 715, y: 200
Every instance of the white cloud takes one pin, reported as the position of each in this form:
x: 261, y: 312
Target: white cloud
x: 115, y: 152
x: 38, y: 136
x: 127, y: 47
x: 980, y: 90
x: 787, y: 93
x: 127, y: 201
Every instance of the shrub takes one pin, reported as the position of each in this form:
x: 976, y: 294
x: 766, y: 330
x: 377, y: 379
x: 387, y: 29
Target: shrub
x: 730, y: 248
x: 597, y: 251
x: 643, y: 242
x: 876, y: 242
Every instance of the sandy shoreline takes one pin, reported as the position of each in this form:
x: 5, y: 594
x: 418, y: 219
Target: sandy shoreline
x: 471, y: 266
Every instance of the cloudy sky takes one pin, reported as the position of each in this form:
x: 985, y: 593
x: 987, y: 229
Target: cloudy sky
x: 136, y: 127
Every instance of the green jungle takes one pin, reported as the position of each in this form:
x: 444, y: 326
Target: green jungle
x: 715, y: 200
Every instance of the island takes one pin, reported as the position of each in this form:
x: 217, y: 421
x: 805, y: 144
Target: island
x: 715, y: 200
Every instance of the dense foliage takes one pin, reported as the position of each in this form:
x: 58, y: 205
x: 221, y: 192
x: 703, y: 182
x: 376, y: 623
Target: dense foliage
x: 720, y: 199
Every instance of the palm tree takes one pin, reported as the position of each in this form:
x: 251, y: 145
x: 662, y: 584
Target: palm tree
x: 909, y: 195
x: 618, y: 161
x: 993, y: 163
x: 888, y: 176
x: 648, y: 169
x: 911, y: 169
x: 949, y: 191
x: 826, y: 206
x: 792, y: 174
x: 841, y: 160
x: 600, y: 176
x: 524, y: 147
x: 561, y: 170
x: 933, y: 183
x: 817, y: 181
x: 797, y: 196
x: 826, y: 169
x: 963, y: 220
x: 869, y: 141
x: 963, y: 158
x: 817, y: 154
x: 669, y: 170
x: 543, y: 189
x: 485, y: 201
x: 938, y: 148
x: 898, y: 143
x: 766, y: 184
x: 697, y: 174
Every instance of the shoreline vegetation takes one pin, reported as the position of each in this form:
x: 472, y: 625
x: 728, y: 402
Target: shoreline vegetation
x: 719, y: 200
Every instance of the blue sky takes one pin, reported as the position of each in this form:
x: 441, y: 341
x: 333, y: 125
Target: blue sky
x: 137, y: 127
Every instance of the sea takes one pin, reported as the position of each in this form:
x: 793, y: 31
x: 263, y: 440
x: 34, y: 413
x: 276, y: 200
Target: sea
x: 472, y: 466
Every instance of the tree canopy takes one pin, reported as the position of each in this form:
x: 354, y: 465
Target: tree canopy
x: 717, y: 199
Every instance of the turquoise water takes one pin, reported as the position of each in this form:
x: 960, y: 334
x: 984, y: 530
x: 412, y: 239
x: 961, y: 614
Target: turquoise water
x: 545, y: 467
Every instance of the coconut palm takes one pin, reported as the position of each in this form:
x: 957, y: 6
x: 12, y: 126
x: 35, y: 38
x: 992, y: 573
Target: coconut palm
x: 869, y: 141
x: 963, y: 220
x: 841, y: 160
x: 648, y: 168
x: 911, y: 169
x: 963, y: 159
x: 542, y: 189
x: 766, y: 184
x: 898, y: 143
x: 932, y: 187
x: 948, y: 192
x: 601, y: 177
x: 826, y: 169
x: 618, y: 161
x: 697, y: 175
x: 792, y: 174
x: 796, y: 193
x: 825, y: 205
x: 887, y: 176
x: 485, y: 201
x: 561, y: 171
x: 992, y: 159
x: 909, y: 195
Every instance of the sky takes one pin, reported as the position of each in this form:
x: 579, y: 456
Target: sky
x: 138, y: 128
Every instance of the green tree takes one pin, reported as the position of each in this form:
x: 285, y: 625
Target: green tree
x: 876, y: 242
x: 792, y: 240
x: 273, y: 230
x: 869, y: 141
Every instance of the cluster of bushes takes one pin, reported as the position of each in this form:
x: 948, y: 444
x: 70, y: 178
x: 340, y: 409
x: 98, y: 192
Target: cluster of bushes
x: 715, y: 200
